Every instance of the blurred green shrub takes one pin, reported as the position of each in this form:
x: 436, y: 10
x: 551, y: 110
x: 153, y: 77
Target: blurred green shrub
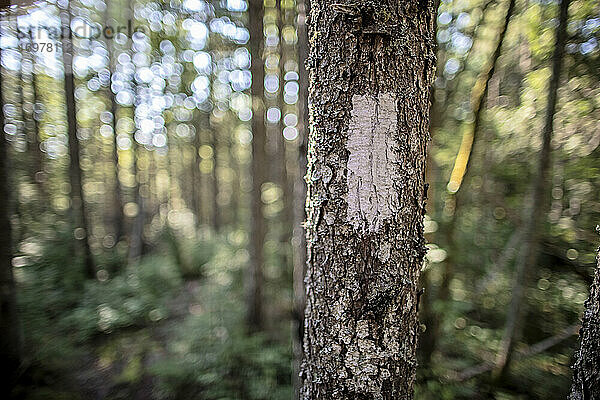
x: 134, y: 298
x: 155, y: 321
x: 190, y: 256
x: 223, y: 362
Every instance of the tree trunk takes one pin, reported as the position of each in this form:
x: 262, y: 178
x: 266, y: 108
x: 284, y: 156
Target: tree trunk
x: 236, y: 169
x: 136, y: 239
x: 37, y: 156
x: 586, y: 370
x: 537, y: 210
x: 136, y: 234
x: 78, y: 207
x: 280, y: 145
x: 215, y: 212
x: 196, y: 176
x: 371, y: 68
x: 299, y: 200
x: 257, y: 230
x: 118, y: 216
x: 10, y: 339
x: 478, y: 97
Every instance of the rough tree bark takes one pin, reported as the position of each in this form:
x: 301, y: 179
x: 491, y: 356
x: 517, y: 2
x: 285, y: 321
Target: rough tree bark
x: 254, y: 281
x: 586, y: 370
x: 10, y: 339
x: 371, y: 67
x: 537, y: 210
x: 299, y: 198
x: 78, y: 207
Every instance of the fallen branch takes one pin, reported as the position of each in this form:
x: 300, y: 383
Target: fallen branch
x: 502, y: 260
x: 532, y: 350
x: 557, y: 254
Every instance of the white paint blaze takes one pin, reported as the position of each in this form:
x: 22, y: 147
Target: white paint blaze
x: 372, y: 165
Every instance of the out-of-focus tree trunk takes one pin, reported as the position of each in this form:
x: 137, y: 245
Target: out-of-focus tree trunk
x: 20, y: 228
x: 226, y: 199
x: 196, y: 177
x: 478, y: 99
x: 280, y: 145
x: 118, y: 216
x: 586, y: 370
x: 254, y: 281
x: 299, y: 200
x: 236, y: 170
x: 371, y: 71
x: 78, y: 206
x: 136, y: 238
x: 215, y: 212
x: 37, y: 155
x: 10, y: 339
x: 536, y: 210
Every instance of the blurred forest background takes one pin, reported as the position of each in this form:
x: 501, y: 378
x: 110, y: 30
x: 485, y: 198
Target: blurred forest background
x: 147, y: 194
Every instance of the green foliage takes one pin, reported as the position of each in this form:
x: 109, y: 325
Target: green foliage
x: 191, y: 256
x: 211, y: 354
x: 136, y: 297
x: 224, y: 364
x: 476, y: 233
x: 149, y: 321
